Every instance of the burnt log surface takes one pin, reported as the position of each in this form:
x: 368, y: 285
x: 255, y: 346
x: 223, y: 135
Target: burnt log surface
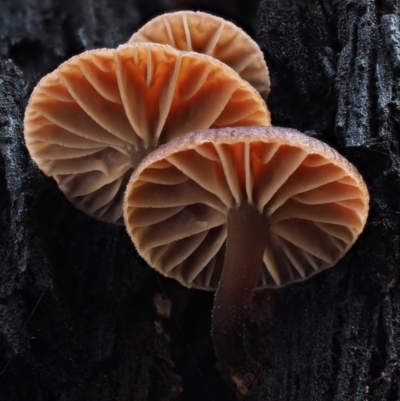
x: 335, y: 74
x: 81, y: 315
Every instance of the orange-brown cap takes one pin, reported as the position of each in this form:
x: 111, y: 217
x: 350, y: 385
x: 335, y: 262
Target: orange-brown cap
x: 208, y: 34
x: 89, y: 123
x: 177, y: 202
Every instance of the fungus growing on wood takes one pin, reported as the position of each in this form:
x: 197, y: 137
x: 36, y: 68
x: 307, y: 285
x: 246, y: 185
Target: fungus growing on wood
x: 235, y: 209
x: 89, y: 123
x: 208, y: 34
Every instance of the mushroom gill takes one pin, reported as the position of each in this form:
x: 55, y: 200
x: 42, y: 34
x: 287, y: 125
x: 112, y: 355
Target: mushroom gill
x: 89, y: 123
x: 205, y: 33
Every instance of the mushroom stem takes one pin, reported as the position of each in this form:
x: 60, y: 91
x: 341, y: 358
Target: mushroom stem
x: 245, y: 245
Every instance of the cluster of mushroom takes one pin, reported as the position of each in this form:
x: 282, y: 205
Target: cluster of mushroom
x: 173, y: 138
x: 89, y: 123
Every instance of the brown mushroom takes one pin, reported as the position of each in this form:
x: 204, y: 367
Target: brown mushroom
x: 233, y: 209
x: 208, y: 34
x: 89, y: 123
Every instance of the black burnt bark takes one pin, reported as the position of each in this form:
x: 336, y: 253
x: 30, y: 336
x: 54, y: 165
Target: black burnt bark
x: 83, y: 318
x: 335, y: 69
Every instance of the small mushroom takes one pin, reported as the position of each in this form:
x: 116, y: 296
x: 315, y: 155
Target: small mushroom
x: 208, y: 34
x: 235, y: 209
x: 89, y: 123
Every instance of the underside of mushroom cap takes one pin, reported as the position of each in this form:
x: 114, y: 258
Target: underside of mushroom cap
x: 178, y: 199
x: 211, y: 35
x: 89, y: 123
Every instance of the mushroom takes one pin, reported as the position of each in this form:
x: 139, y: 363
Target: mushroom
x: 208, y: 34
x: 89, y: 123
x: 234, y: 209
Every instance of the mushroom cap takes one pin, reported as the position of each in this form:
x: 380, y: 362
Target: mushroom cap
x: 211, y: 35
x: 177, y: 202
x: 89, y: 123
